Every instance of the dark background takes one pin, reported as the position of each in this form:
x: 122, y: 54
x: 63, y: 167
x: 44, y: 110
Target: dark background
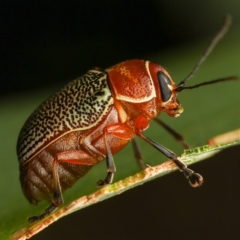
x: 46, y: 43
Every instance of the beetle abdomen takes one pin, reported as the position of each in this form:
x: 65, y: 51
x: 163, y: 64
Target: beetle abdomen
x: 80, y: 105
x: 37, y: 177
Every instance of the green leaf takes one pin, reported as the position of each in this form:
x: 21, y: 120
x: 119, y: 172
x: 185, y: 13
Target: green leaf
x: 204, y: 107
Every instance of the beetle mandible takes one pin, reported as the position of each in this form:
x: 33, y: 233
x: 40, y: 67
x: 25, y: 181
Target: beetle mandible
x: 91, y: 119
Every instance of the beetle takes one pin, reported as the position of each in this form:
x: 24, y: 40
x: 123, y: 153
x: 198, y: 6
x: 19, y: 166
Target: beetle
x: 92, y: 118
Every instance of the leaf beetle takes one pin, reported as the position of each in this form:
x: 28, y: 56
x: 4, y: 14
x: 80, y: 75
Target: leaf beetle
x: 92, y: 118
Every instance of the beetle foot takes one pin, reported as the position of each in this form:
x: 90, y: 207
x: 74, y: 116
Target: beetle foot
x: 108, y: 180
x: 102, y: 183
x: 194, y: 179
x: 48, y: 211
x: 35, y: 218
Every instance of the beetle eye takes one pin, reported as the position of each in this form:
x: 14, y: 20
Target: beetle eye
x: 164, y: 81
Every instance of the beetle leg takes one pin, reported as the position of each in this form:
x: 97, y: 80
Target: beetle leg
x: 72, y: 157
x: 176, y: 135
x: 194, y: 179
x: 57, y: 195
x: 110, y: 165
x: 137, y: 153
x: 48, y: 211
x: 118, y: 130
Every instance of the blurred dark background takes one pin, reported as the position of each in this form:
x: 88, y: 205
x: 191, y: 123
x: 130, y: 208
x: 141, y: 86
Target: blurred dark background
x: 46, y: 43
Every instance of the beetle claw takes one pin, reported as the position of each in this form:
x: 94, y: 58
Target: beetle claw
x: 33, y: 219
x: 101, y: 183
x: 107, y: 181
x: 47, y: 212
x: 194, y: 179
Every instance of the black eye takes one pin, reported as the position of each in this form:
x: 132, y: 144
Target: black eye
x: 164, y: 81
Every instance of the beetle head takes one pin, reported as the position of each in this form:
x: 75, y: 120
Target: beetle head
x: 166, y: 96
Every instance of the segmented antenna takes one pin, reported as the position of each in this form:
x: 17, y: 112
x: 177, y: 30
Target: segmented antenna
x: 212, y: 44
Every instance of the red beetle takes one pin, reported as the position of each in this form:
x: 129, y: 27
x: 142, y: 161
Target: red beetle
x: 91, y: 119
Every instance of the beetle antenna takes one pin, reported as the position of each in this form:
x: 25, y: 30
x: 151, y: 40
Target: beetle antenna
x: 212, y: 44
x: 209, y: 82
